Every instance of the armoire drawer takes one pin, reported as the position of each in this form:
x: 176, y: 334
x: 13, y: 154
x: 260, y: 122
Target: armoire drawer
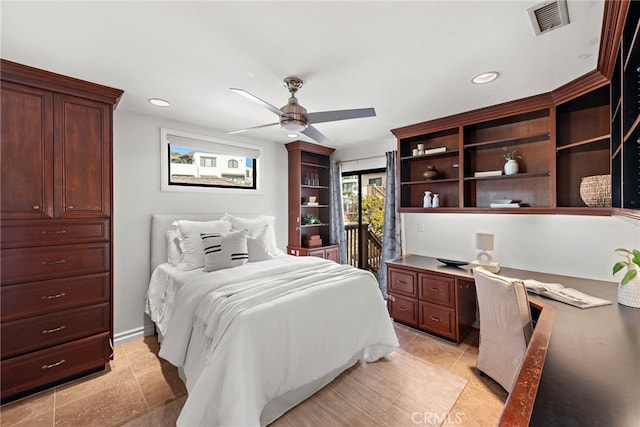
x: 35, y: 333
x: 22, y: 234
x: 50, y: 262
x: 437, y: 289
x: 36, y: 298
x: 24, y: 373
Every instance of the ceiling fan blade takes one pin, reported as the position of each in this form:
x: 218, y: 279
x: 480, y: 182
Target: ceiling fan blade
x: 260, y: 102
x: 315, y: 134
x: 251, y: 128
x: 332, y: 116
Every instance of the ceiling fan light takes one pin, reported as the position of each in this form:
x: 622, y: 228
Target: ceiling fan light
x: 294, y: 126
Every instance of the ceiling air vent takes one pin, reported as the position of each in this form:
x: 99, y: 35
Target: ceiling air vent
x: 548, y: 16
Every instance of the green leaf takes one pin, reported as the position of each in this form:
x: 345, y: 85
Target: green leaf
x: 619, y: 266
x: 629, y: 276
x: 636, y: 257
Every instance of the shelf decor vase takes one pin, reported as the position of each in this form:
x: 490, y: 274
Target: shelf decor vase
x: 426, y: 201
x: 629, y: 294
x: 511, y: 167
x: 430, y: 173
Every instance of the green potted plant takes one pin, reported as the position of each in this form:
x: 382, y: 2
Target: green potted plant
x: 511, y: 167
x: 629, y: 287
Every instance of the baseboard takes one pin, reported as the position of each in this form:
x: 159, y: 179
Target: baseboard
x: 132, y: 334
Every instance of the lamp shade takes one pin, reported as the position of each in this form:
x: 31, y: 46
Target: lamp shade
x: 294, y: 125
x: 484, y: 241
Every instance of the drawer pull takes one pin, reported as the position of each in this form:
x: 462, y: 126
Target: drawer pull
x: 55, y: 232
x: 36, y: 207
x: 60, y: 295
x: 53, y: 365
x: 401, y: 282
x: 402, y: 308
x: 48, y: 331
x: 70, y: 207
x: 436, y: 290
x: 60, y: 261
x: 435, y: 319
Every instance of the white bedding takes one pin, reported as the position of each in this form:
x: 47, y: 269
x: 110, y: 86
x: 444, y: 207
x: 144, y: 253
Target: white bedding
x: 303, y: 320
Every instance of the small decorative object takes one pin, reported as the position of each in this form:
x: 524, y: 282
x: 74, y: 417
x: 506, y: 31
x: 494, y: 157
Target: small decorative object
x: 312, y: 199
x: 629, y: 287
x: 311, y: 219
x: 595, y: 190
x: 511, y: 167
x: 421, y: 147
x: 431, y: 172
x: 426, y: 201
x: 415, y: 152
x: 435, y: 203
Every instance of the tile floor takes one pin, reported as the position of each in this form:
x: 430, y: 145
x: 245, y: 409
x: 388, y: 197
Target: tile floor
x: 140, y: 389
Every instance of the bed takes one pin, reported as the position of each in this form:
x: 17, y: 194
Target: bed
x: 253, y: 340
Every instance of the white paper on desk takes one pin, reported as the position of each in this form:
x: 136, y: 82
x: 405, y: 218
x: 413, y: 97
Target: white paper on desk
x: 566, y: 295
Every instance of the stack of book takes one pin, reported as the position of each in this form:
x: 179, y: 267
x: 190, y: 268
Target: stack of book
x: 505, y: 203
x: 482, y: 174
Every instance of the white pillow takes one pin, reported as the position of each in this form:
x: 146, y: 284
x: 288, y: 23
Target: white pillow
x: 225, y: 250
x: 258, y: 245
x: 254, y: 226
x: 174, y: 253
x: 191, y: 242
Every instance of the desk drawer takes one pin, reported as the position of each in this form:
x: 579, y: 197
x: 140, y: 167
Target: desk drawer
x: 36, y: 298
x: 50, y: 262
x: 437, y: 289
x: 403, y: 282
x: 403, y: 310
x: 32, y: 370
x: 22, y: 234
x: 35, y: 333
x: 437, y: 319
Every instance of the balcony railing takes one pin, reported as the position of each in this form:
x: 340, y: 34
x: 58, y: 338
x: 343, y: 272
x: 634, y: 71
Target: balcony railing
x: 371, y: 254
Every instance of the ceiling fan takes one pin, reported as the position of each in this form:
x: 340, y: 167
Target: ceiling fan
x: 294, y: 117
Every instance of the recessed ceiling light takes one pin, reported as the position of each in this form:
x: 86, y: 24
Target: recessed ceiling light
x: 159, y: 102
x: 487, y: 77
x: 292, y: 135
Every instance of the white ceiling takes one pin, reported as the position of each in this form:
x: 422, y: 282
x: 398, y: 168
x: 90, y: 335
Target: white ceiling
x: 411, y: 60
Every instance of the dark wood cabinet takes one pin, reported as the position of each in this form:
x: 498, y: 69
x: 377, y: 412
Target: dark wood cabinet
x: 625, y: 114
x: 309, y: 201
x: 56, y: 235
x: 430, y: 298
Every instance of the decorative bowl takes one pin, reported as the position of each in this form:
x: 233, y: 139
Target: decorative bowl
x: 595, y: 190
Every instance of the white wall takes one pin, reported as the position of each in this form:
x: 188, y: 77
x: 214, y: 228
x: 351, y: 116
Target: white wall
x: 137, y: 196
x: 580, y: 246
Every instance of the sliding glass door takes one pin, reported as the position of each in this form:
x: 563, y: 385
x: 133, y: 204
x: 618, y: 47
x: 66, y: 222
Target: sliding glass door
x: 363, y: 200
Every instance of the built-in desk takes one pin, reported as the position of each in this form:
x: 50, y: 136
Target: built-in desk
x: 585, y: 363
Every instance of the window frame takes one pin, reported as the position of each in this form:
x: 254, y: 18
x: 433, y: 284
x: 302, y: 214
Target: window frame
x: 208, y: 144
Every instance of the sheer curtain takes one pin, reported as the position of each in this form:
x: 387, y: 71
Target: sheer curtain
x: 391, y: 245
x: 336, y: 232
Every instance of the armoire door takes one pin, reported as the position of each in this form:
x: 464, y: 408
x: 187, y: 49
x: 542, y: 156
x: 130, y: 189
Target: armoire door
x: 26, y: 181
x: 83, y: 158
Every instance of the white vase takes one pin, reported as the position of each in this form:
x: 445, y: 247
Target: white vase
x: 629, y: 294
x: 435, y: 203
x: 426, y: 201
x: 511, y: 167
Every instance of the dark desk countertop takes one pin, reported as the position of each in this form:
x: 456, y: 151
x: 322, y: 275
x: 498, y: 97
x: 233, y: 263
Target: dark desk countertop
x: 591, y: 374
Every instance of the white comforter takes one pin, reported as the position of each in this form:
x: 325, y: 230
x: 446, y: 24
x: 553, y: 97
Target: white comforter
x: 245, y: 336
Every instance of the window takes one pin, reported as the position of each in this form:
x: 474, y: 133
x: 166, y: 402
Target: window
x: 208, y: 161
x: 376, y: 181
x: 197, y: 163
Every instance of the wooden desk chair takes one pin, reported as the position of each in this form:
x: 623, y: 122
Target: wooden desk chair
x: 505, y: 325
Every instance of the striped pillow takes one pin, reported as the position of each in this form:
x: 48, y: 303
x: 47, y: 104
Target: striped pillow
x: 225, y: 250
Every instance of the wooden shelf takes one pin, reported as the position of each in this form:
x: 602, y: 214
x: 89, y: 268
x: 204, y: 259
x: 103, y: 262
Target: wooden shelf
x: 509, y: 141
x: 516, y: 176
x: 584, y: 142
x: 431, y: 156
x: 430, y: 181
x: 314, y: 165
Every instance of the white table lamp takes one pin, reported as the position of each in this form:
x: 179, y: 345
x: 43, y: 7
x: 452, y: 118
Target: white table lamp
x: 484, y: 242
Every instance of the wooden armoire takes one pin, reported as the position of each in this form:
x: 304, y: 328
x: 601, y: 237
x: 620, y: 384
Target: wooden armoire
x: 56, y: 281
